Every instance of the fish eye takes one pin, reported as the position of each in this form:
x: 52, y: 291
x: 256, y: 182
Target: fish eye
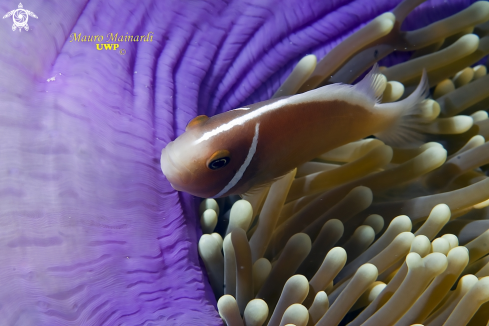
x: 219, y: 163
x: 219, y: 159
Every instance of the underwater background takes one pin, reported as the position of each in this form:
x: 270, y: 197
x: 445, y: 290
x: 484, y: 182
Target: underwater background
x: 91, y: 232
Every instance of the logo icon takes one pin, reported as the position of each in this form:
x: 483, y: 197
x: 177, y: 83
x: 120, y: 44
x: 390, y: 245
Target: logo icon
x: 20, y: 17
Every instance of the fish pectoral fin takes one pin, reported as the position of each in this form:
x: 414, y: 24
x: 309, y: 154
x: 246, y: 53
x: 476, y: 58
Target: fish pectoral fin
x: 259, y: 188
x: 256, y: 191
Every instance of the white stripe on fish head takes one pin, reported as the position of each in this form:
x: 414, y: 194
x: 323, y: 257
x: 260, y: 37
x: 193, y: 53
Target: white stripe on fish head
x: 239, y: 174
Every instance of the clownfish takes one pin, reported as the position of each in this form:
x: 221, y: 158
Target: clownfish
x: 242, y: 149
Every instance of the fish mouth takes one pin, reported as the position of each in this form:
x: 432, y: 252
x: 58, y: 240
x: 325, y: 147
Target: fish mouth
x: 177, y: 175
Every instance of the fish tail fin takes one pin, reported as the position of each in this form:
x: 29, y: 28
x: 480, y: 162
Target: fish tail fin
x: 404, y: 129
x: 372, y: 85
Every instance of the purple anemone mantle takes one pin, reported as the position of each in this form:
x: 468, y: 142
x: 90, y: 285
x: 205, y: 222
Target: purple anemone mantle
x: 91, y: 232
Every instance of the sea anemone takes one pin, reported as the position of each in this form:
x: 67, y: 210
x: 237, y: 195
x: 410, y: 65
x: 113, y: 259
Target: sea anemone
x: 92, y: 233
x: 370, y: 234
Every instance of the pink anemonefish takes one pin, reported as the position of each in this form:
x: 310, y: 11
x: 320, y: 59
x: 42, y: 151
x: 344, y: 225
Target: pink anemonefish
x: 235, y: 151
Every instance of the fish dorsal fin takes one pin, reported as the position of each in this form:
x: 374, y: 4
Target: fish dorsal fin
x: 372, y: 85
x: 406, y: 130
x: 200, y: 119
